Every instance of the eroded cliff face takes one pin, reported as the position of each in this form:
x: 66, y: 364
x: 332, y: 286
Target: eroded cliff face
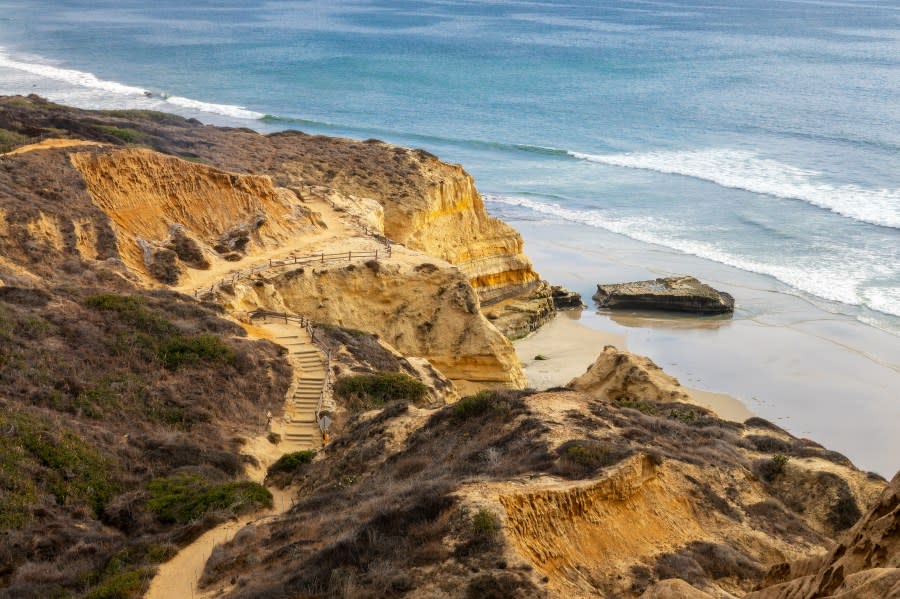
x: 698, y: 501
x: 168, y: 213
x: 865, y: 563
x: 421, y: 307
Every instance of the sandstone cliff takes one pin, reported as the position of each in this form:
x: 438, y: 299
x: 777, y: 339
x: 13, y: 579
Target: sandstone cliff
x: 421, y: 307
x: 168, y: 211
x: 428, y: 205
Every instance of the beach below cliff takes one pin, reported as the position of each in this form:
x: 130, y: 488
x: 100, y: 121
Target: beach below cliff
x: 797, y: 362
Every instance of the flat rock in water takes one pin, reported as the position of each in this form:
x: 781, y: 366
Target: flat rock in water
x: 672, y: 294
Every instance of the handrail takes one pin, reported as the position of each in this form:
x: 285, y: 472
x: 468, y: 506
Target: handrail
x: 320, y: 258
x: 307, y: 324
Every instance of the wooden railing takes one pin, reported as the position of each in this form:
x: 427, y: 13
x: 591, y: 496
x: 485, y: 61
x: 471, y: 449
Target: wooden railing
x: 307, y: 324
x: 321, y: 258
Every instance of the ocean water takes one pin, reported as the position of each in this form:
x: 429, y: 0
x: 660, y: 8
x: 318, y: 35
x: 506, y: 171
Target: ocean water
x: 760, y: 134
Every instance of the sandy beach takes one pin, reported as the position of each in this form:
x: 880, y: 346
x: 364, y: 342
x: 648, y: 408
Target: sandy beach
x: 564, y: 348
x: 797, y: 362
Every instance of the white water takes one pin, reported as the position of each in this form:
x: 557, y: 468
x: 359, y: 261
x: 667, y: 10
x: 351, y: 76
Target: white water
x: 138, y: 96
x: 738, y: 169
x: 829, y: 279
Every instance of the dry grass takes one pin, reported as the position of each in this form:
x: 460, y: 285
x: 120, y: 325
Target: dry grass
x: 104, y: 393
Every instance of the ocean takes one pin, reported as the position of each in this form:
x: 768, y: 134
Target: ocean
x: 760, y: 136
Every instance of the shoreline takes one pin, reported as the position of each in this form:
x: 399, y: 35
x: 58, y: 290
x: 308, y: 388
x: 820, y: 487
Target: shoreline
x: 818, y: 374
x: 567, y: 348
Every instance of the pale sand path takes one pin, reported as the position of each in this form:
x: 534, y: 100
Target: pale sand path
x: 570, y: 347
x: 298, y: 429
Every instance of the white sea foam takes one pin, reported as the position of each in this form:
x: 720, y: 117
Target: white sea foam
x: 77, y: 78
x: 883, y: 299
x: 138, y: 95
x: 740, y: 169
x: 827, y: 279
x: 238, y: 112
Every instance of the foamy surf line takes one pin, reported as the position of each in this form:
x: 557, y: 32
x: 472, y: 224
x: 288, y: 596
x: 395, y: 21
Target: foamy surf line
x: 81, y: 79
x: 738, y: 169
x: 833, y: 285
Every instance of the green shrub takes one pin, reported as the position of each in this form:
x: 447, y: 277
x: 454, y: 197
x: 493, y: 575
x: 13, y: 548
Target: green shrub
x: 10, y: 139
x: 132, y: 310
x: 290, y: 462
x: 375, y: 390
x: 588, y: 455
x: 39, y: 456
x: 184, y: 497
x: 485, y: 523
x: 125, y: 584
x: 122, y: 133
x: 483, y: 403
x: 179, y: 351
x: 771, y: 469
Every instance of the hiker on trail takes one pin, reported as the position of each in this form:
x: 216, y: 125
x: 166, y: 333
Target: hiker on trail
x: 268, y: 418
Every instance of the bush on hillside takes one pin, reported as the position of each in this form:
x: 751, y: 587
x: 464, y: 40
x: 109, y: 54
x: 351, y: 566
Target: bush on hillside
x: 183, y: 497
x: 368, y: 391
x: 290, y: 462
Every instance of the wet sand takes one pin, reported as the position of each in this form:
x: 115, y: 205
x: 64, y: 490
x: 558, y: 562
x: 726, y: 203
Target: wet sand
x: 564, y: 348
x: 794, y: 360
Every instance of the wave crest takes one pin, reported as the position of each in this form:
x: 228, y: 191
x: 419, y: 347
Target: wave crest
x: 831, y: 281
x: 738, y: 169
x: 86, y: 80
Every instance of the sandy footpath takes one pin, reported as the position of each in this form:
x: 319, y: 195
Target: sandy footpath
x: 563, y: 349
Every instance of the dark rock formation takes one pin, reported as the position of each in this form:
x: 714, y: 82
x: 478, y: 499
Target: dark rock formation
x: 673, y: 294
x: 563, y: 299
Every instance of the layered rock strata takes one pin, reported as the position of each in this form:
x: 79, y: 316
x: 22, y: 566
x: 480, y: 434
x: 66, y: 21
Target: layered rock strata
x: 673, y: 294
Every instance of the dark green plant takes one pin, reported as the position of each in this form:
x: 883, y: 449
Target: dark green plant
x: 375, y: 390
x: 484, y: 403
x: 125, y: 134
x: 485, y: 524
x: 290, y: 462
x: 771, y: 469
x: 186, y: 497
x: 37, y: 455
x: 178, y: 351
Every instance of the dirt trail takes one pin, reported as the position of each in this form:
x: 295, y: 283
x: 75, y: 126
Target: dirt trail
x: 298, y: 429
x: 336, y: 229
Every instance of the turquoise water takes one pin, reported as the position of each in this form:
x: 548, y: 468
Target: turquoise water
x: 762, y: 135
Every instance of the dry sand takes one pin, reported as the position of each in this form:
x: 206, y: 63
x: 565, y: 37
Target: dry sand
x: 568, y: 347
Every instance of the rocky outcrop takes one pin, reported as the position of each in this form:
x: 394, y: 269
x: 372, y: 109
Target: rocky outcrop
x: 618, y: 375
x: 864, y: 564
x: 673, y: 294
x: 520, y: 315
x: 169, y: 214
x: 422, y: 307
